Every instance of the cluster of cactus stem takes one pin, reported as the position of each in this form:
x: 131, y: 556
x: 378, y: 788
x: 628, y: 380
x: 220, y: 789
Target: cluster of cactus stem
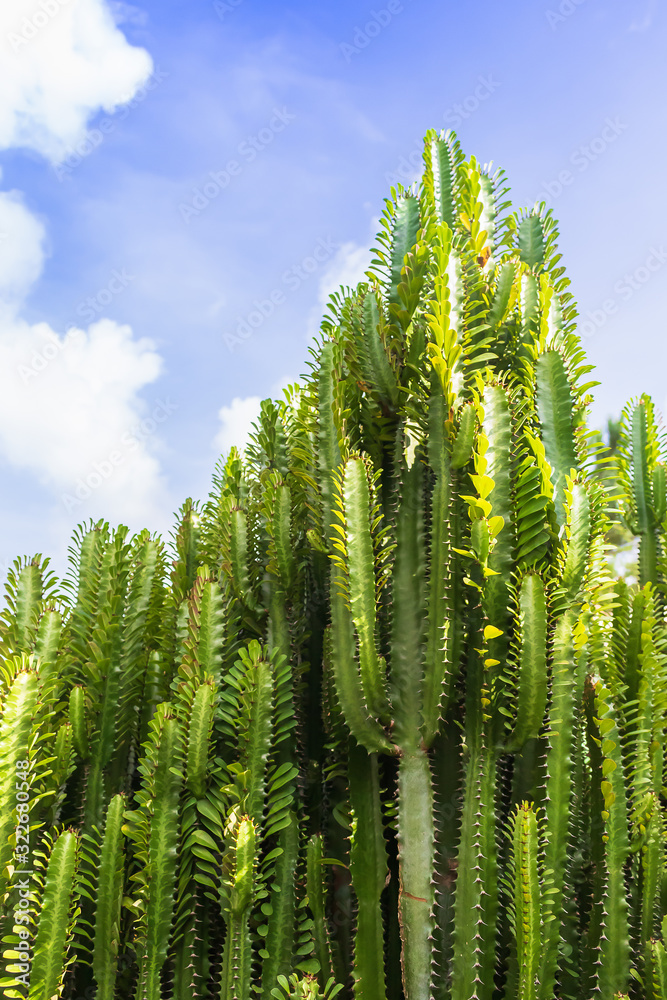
x: 378, y: 722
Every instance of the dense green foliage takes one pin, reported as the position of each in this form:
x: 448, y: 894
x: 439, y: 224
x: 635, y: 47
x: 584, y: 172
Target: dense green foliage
x: 380, y: 716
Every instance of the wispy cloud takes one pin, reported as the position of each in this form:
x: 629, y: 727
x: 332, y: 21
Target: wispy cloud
x: 645, y: 22
x: 127, y: 13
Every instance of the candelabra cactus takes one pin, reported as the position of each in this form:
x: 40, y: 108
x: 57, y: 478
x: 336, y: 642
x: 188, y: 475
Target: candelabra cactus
x: 388, y: 729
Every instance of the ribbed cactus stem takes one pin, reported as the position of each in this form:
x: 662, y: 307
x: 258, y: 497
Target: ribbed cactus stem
x: 526, y: 916
x: 558, y: 797
x: 56, y: 905
x: 368, y: 865
x: 109, y: 899
x: 237, y: 959
x: 416, y: 859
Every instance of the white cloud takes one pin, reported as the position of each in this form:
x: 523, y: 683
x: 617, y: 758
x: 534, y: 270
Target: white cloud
x: 70, y: 410
x: 237, y: 418
x: 60, y: 62
x: 70, y: 413
x: 21, y: 254
x: 236, y: 423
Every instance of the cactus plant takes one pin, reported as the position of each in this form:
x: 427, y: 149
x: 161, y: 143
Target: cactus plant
x: 389, y: 729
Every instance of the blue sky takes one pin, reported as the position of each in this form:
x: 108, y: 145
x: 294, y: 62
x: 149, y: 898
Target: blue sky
x: 233, y: 158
